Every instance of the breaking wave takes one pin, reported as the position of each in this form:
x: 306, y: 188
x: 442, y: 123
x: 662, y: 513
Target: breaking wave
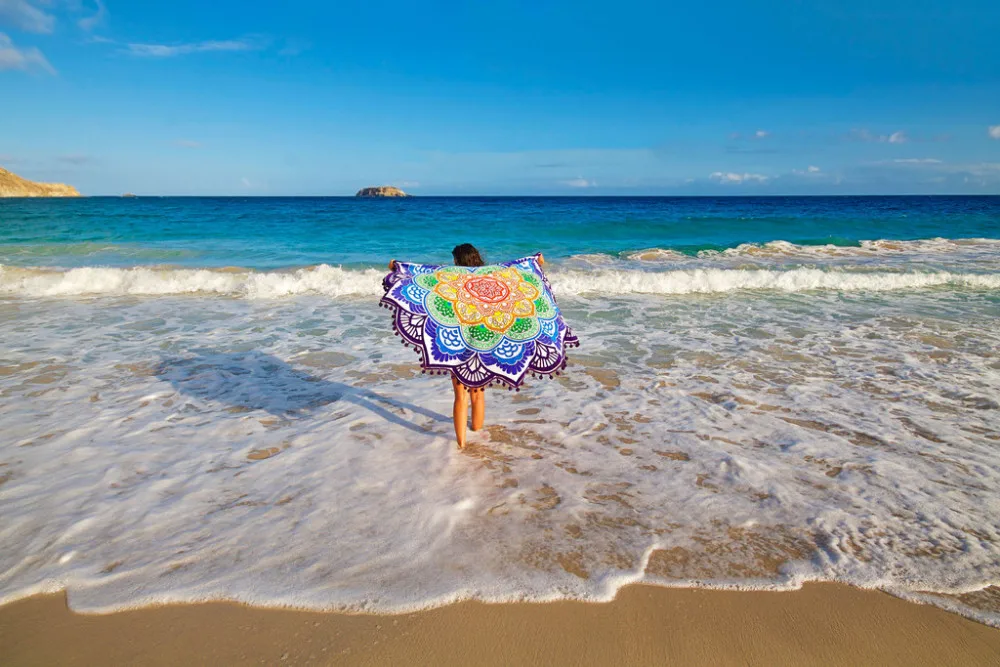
x: 338, y: 282
x: 878, y: 248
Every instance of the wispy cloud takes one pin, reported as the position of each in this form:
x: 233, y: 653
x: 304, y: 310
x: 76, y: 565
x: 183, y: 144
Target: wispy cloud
x: 729, y: 177
x: 950, y: 175
x: 172, y: 50
x: 579, y: 182
x: 294, y: 47
x: 88, y: 23
x: 75, y: 159
x: 758, y: 134
x: 27, y: 59
x: 994, y: 131
x: 25, y: 16
x: 898, y: 137
x: 751, y: 150
x: 187, y: 143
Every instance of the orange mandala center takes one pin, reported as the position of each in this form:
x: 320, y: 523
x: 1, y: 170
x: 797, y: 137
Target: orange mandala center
x: 488, y: 289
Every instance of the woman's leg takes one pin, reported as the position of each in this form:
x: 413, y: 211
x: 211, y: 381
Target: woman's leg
x: 460, y: 412
x: 478, y: 408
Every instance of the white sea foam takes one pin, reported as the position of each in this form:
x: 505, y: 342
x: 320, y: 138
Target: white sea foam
x: 155, y: 281
x: 707, y: 281
x: 655, y: 255
x: 868, y: 248
x: 284, y: 452
x: 335, y: 281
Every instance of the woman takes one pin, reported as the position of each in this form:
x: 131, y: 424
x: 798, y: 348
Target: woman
x: 466, y: 255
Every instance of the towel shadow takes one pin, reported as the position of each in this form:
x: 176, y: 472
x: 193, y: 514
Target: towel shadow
x: 257, y: 381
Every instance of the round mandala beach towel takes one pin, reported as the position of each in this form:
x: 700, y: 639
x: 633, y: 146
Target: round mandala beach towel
x: 485, y: 325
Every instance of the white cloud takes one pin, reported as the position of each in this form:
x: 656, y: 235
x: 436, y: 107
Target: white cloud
x: 25, y: 16
x: 187, y: 143
x: 169, y: 51
x: 994, y: 131
x: 579, y: 182
x: 732, y: 177
x: 759, y: 134
x: 246, y: 182
x: 898, y: 137
x: 88, y: 23
x: 813, y: 170
x: 917, y: 160
x: 26, y: 60
x: 407, y: 184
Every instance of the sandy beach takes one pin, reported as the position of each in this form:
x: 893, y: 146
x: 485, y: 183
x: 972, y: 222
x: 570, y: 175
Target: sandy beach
x: 821, y: 624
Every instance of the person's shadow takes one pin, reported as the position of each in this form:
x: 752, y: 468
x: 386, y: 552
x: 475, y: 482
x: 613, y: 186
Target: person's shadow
x: 257, y: 381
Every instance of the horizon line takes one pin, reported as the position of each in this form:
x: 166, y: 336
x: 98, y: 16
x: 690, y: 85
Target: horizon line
x: 526, y: 196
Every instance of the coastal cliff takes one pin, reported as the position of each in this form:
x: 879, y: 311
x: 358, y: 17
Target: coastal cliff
x: 381, y: 191
x: 12, y: 185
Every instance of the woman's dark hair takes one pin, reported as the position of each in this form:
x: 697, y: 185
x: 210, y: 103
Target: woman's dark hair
x: 467, y: 255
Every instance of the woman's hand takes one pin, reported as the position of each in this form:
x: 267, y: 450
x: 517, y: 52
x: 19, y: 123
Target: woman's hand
x: 392, y: 265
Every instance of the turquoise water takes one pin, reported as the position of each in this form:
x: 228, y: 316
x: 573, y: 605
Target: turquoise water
x: 274, y: 233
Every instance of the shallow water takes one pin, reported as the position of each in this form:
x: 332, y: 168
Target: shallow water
x: 752, y: 417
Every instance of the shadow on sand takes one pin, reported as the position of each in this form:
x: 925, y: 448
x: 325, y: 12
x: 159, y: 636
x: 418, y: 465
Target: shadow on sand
x: 257, y: 381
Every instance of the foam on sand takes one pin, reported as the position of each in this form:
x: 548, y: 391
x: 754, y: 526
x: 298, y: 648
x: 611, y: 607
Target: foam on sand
x: 280, y: 451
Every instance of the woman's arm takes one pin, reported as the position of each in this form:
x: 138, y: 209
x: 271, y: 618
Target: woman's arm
x: 392, y: 265
x: 541, y: 259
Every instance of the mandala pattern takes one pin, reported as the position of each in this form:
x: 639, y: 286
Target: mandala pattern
x: 486, y: 325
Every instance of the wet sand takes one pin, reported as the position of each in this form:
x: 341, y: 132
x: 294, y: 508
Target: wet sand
x: 822, y: 624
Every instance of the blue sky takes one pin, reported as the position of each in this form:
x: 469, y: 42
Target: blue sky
x: 539, y: 97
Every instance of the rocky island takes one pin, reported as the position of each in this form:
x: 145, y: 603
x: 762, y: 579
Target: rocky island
x: 12, y: 185
x: 381, y: 191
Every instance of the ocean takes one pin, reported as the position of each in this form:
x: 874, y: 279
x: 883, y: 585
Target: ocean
x: 200, y: 399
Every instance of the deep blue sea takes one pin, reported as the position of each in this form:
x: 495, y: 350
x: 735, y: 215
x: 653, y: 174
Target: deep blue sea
x: 274, y: 233
x: 200, y: 399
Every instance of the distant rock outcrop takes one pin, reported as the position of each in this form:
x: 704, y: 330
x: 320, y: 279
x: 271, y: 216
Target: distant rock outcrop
x: 381, y: 191
x: 12, y: 185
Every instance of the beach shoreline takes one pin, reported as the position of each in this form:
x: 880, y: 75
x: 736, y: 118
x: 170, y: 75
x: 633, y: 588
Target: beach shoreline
x: 821, y: 623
